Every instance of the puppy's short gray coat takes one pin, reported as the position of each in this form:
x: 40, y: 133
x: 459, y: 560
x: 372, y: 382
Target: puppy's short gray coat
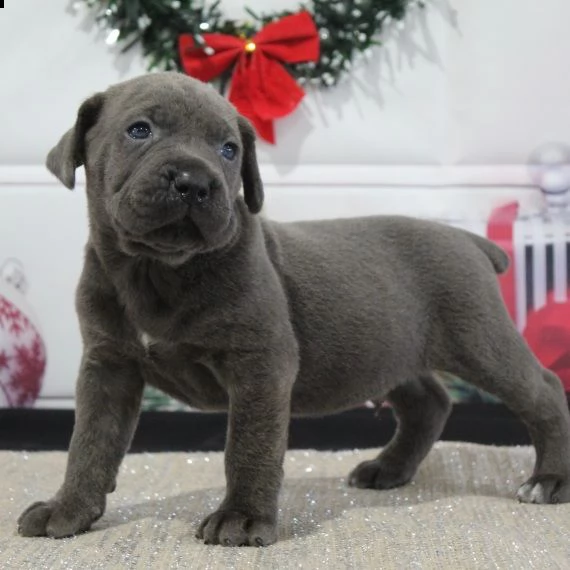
x: 185, y: 288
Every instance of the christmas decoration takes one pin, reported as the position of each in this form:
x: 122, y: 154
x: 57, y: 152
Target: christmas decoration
x: 22, y: 353
x: 536, y: 286
x: 267, y: 50
x: 462, y: 392
x: 500, y: 229
x: 549, y: 168
x: 261, y: 89
x: 548, y: 335
x: 154, y: 400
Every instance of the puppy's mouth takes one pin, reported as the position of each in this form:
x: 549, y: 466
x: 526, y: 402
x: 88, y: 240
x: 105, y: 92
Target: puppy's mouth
x: 173, y: 235
x: 175, y: 242
x: 171, y: 239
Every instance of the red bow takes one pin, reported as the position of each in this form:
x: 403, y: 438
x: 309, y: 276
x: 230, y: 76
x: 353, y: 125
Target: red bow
x: 548, y: 334
x: 261, y: 88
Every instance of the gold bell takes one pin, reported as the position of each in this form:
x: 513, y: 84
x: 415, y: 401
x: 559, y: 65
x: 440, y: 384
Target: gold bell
x: 250, y: 47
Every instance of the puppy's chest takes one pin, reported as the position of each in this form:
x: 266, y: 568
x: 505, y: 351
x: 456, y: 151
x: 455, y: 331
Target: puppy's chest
x: 146, y: 340
x: 158, y: 314
x: 162, y: 328
x: 188, y: 314
x: 166, y: 331
x: 155, y: 346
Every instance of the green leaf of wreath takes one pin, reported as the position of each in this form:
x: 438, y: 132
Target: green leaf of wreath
x: 347, y: 28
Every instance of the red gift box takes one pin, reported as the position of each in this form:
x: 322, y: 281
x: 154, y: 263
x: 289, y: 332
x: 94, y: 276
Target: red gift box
x: 536, y: 286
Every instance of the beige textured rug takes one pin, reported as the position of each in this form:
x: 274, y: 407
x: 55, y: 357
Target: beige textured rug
x: 459, y: 514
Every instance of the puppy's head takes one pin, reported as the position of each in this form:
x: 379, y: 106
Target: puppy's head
x: 165, y: 158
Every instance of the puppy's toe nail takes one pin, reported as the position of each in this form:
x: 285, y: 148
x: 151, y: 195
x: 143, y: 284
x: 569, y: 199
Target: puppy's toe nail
x: 537, y: 495
x: 258, y: 541
x: 524, y: 492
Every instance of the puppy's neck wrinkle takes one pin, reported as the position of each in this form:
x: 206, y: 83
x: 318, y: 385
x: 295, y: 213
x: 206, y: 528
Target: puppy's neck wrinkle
x: 160, y: 298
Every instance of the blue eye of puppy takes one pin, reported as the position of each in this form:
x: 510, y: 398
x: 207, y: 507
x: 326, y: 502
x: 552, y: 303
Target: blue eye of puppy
x: 139, y: 130
x: 229, y: 151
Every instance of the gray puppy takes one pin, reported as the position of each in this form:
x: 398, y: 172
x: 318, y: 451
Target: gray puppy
x: 186, y: 289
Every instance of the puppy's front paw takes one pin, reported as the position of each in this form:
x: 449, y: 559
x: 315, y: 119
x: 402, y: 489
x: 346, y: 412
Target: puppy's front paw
x: 236, y: 528
x: 58, y: 519
x: 545, y: 489
x: 375, y: 474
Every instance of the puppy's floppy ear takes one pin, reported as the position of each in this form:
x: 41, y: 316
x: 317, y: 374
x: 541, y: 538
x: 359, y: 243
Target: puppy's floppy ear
x: 69, y: 152
x: 252, y: 185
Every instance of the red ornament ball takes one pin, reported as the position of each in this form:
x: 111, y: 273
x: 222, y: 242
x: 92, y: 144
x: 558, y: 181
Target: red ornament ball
x: 22, y: 351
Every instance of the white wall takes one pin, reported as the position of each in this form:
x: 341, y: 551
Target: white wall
x: 439, y: 123
x: 466, y: 82
x: 44, y: 226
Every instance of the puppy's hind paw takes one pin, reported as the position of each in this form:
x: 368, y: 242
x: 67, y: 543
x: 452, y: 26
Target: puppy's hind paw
x: 545, y: 489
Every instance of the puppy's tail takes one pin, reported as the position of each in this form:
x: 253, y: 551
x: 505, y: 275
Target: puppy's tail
x: 496, y: 255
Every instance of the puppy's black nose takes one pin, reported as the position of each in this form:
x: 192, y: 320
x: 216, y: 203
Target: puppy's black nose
x: 192, y: 189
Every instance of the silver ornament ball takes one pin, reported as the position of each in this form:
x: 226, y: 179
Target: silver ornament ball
x: 549, y: 169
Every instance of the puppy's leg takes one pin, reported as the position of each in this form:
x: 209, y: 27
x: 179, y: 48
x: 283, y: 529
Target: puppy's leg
x: 258, y: 423
x: 108, y: 399
x: 422, y: 407
x: 498, y: 360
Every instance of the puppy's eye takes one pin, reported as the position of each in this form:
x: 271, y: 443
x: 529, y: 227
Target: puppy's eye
x: 139, y: 130
x: 229, y: 151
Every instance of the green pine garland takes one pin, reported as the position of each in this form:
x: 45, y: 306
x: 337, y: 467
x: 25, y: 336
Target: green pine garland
x: 347, y: 28
x: 157, y: 401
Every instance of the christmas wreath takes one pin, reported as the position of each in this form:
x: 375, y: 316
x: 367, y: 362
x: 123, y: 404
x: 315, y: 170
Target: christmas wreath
x: 267, y: 57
